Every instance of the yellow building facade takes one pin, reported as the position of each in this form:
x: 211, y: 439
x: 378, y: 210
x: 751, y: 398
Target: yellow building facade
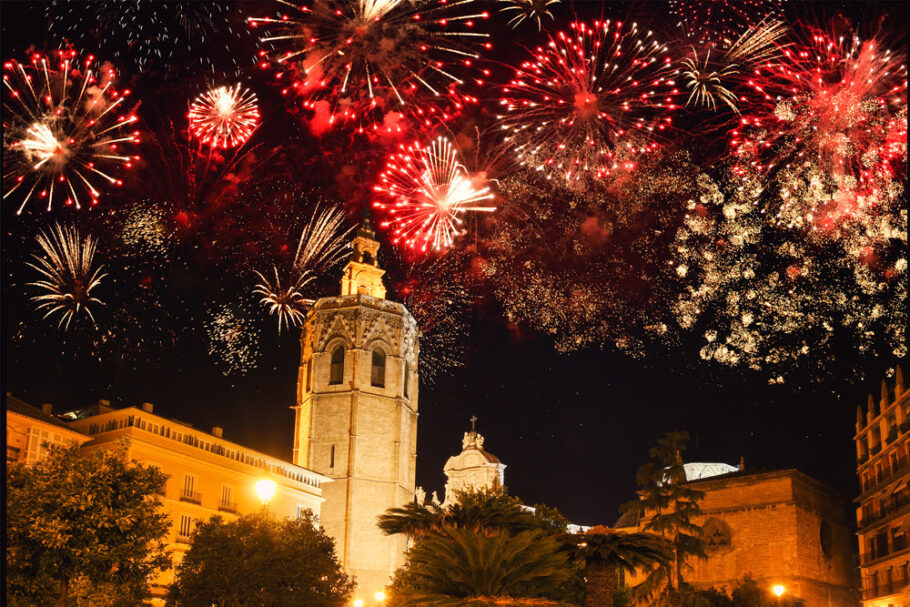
x: 208, y: 475
x: 883, y: 506
x: 30, y: 431
x: 356, y: 413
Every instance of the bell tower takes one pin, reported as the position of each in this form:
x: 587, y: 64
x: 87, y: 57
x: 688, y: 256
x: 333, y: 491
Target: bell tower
x: 356, y: 413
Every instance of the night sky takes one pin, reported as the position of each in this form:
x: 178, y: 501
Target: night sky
x: 572, y: 428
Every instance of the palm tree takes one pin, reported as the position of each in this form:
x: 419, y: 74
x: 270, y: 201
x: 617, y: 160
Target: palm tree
x: 462, y: 562
x: 606, y: 552
x: 480, y: 510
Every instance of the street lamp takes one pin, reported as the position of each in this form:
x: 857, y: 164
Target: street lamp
x: 358, y: 602
x: 379, y: 596
x: 778, y: 590
x: 265, y: 489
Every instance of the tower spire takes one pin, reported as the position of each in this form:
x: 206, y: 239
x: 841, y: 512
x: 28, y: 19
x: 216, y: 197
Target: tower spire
x: 362, y: 275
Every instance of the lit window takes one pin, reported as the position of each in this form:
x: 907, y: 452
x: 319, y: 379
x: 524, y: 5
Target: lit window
x: 377, y: 376
x: 336, y: 370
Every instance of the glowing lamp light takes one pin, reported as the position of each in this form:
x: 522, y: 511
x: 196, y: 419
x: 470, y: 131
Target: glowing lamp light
x: 379, y: 596
x: 265, y: 489
x: 358, y: 603
x: 778, y: 590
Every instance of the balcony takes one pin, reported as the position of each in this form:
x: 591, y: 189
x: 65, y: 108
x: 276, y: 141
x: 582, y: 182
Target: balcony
x: 228, y: 507
x: 901, y: 466
x: 877, y: 590
x: 192, y: 497
x: 889, y: 508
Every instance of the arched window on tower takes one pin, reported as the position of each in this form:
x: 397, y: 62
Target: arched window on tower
x: 406, y: 376
x: 377, y: 375
x: 336, y: 370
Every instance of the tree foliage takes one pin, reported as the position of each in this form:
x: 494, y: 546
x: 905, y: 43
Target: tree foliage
x: 668, y: 505
x: 83, y: 529
x: 486, y: 544
x: 606, y: 552
x: 257, y: 561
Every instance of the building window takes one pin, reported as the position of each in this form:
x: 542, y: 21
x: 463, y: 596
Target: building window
x: 189, y: 489
x: 377, y: 376
x: 826, y: 540
x: 406, y: 376
x: 336, y: 370
x: 300, y: 511
x: 227, y: 497
x: 186, y: 528
x: 332, y: 456
x: 12, y: 454
x: 716, y: 534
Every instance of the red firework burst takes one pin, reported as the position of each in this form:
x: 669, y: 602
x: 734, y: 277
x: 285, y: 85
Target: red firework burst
x: 591, y: 101
x: 426, y: 190
x: 65, y: 129
x: 830, y: 107
x: 371, y: 61
x: 224, y: 117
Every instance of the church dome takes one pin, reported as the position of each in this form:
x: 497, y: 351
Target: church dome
x: 699, y: 470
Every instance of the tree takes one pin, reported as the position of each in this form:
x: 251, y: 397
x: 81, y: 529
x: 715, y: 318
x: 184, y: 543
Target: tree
x: 481, y: 510
x: 748, y: 594
x: 668, y: 505
x: 82, y: 526
x: 606, y: 552
x: 472, y: 540
x: 462, y: 563
x: 257, y: 561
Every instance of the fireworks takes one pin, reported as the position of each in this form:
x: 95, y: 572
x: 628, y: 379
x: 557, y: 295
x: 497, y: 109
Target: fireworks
x: 286, y: 303
x: 68, y: 275
x: 64, y: 130
x: 530, y: 10
x: 322, y: 244
x: 769, y: 299
x: 428, y: 191
x: 224, y: 117
x: 590, y: 102
x: 706, y: 84
x: 233, y: 338
x: 348, y: 58
x: 830, y: 121
x: 147, y: 34
x: 720, y: 22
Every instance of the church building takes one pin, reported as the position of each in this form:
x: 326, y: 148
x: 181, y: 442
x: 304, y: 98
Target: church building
x: 356, y: 413
x: 473, y: 468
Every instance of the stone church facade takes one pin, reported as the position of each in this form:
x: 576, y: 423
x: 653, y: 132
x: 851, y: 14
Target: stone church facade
x: 473, y: 468
x: 779, y: 527
x: 356, y: 413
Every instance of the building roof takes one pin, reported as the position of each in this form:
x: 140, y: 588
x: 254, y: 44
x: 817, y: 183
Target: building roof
x: 23, y: 408
x: 698, y: 470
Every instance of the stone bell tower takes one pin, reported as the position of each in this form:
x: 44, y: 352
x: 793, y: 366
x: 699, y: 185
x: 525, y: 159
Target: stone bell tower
x: 356, y: 413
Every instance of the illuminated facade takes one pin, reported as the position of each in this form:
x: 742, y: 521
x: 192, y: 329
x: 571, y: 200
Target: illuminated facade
x: 356, y: 413
x: 782, y: 528
x: 29, y: 431
x: 883, y: 509
x: 473, y: 468
x: 208, y: 475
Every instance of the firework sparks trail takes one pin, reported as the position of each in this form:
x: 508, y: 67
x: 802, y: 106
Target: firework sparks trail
x: 64, y: 130
x: 224, y: 117
x: 711, y: 81
x: 322, y: 244
x: 68, y: 275
x: 770, y: 299
x: 286, y: 303
x: 365, y: 58
x: 717, y: 23
x: 590, y: 102
x: 831, y: 114
x: 428, y: 192
x: 527, y: 10
x: 233, y: 338
x: 147, y: 34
